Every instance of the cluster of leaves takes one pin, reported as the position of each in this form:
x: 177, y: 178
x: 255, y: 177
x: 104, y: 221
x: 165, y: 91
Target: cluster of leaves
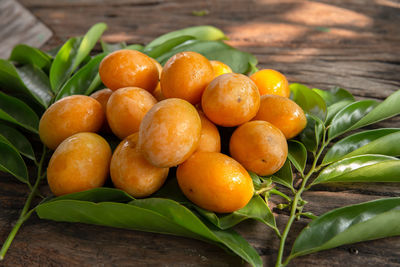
x: 31, y: 80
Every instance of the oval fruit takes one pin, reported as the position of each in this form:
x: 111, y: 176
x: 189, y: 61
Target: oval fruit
x: 230, y: 100
x: 271, y: 82
x: 131, y: 172
x: 215, y: 182
x: 81, y: 162
x: 210, y: 139
x: 220, y: 68
x: 102, y: 96
x: 169, y: 132
x: 259, y: 146
x: 68, y: 116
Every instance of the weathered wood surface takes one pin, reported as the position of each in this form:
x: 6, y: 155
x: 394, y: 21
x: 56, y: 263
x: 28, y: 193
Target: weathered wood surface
x: 354, y: 44
x: 18, y: 25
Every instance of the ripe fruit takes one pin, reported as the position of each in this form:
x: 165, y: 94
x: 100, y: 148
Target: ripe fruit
x: 169, y: 132
x: 131, y: 172
x: 230, y: 99
x: 215, y: 182
x: 102, y: 96
x: 157, y: 92
x: 271, y: 82
x: 220, y: 68
x: 282, y: 112
x: 259, y: 146
x: 68, y: 116
x: 126, y: 109
x: 128, y: 68
x: 80, y: 162
x: 185, y: 76
x: 210, y: 139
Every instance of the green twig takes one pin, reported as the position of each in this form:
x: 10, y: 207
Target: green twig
x: 279, y: 193
x: 25, y: 213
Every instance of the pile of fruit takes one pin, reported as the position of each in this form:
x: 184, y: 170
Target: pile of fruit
x: 172, y: 116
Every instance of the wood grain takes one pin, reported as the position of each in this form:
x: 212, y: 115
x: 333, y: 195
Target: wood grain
x: 354, y: 44
x: 18, y: 25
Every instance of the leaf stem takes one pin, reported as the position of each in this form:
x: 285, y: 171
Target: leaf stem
x: 279, y: 193
x: 25, y: 213
x: 295, y: 203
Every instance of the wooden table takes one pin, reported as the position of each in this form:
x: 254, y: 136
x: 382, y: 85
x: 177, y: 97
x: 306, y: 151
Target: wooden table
x: 353, y: 44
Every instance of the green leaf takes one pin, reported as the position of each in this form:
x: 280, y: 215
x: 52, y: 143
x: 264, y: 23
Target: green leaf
x: 256, y: 209
x: 96, y: 195
x: 17, y: 112
x: 297, y: 154
x: 12, y: 162
x: 311, y: 102
x: 204, y: 33
x: 334, y: 95
x: 351, y: 224
x: 362, y: 168
x: 334, y: 109
x: 347, y: 117
x: 72, y: 54
x: 312, y: 134
x: 284, y: 176
x: 25, y: 54
x: 83, y: 79
x: 215, y: 50
x: 152, y: 215
x: 28, y: 80
x: 159, y: 50
x: 379, y: 141
x: 388, y: 108
x: 109, y: 48
x: 17, y: 140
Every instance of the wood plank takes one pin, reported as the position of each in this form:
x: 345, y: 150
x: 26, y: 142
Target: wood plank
x: 18, y: 25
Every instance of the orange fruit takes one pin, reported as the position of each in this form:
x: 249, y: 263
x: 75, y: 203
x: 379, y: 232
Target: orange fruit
x: 259, y: 146
x: 169, y: 132
x: 185, y: 76
x: 282, y: 112
x: 157, y: 92
x: 231, y: 99
x: 81, y: 162
x: 68, y: 116
x: 220, y: 68
x: 210, y: 139
x: 102, y: 96
x: 271, y: 82
x: 128, y: 68
x: 215, y: 182
x: 131, y: 172
x: 126, y: 109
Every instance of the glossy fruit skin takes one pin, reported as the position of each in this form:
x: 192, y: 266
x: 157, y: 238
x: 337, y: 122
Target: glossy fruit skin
x: 68, y: 116
x: 131, y: 172
x: 220, y: 68
x: 259, y: 146
x: 185, y: 76
x: 230, y: 100
x: 215, y: 182
x: 282, y: 112
x: 271, y: 82
x: 81, y: 162
x: 102, y: 96
x: 210, y: 139
x: 126, y: 109
x: 169, y: 132
x: 157, y: 92
x: 128, y: 68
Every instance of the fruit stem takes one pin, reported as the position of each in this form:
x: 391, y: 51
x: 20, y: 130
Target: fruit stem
x: 295, y: 203
x: 25, y: 213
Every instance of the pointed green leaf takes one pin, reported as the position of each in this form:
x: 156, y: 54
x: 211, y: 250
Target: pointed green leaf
x: 297, y: 155
x: 12, y: 163
x: 334, y: 95
x: 311, y: 102
x: 334, y: 109
x: 25, y: 54
x: 379, y: 141
x: 311, y: 135
x: 362, y: 168
x: 284, y: 176
x: 159, y: 50
x: 348, y: 225
x: 83, y: 79
x: 111, y: 47
x: 346, y: 118
x: 17, y: 140
x: 205, y: 33
x: 72, y: 54
x: 28, y: 80
x: 17, y: 112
